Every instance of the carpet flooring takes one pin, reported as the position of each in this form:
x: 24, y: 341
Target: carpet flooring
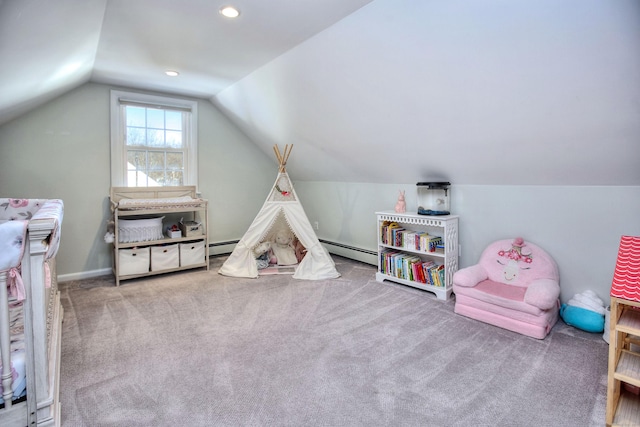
x: 200, y: 349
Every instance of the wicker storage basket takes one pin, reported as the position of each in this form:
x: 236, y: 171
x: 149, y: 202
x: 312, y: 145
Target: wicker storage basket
x: 191, y: 253
x: 164, y: 257
x: 133, y: 261
x: 191, y: 228
x: 140, y: 230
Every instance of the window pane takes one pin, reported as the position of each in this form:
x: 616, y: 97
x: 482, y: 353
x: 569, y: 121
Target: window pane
x: 174, y: 161
x: 175, y: 178
x: 173, y: 120
x: 135, y: 136
x: 137, y: 159
x: 136, y: 179
x: 174, y: 139
x: 155, y: 118
x: 157, y: 178
x: 135, y: 116
x: 155, y: 138
x: 156, y: 161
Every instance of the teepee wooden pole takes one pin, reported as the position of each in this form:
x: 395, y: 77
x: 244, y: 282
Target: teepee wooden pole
x: 287, y: 151
x: 277, y: 151
x: 282, y: 158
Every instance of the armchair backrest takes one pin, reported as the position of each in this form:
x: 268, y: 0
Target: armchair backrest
x: 518, y: 263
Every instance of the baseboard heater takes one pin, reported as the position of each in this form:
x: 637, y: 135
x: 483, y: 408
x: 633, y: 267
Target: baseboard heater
x: 230, y: 242
x: 351, y: 248
x: 357, y: 253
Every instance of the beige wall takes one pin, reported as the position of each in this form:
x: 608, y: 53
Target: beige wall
x: 62, y: 149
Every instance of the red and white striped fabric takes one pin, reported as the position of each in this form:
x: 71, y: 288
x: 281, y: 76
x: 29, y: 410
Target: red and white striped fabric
x: 626, y: 277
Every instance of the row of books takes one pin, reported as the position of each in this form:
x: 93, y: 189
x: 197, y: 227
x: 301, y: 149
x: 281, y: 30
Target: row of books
x: 393, y: 234
x: 411, y: 267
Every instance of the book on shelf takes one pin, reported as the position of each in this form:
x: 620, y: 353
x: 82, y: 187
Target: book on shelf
x: 390, y: 232
x: 409, y: 240
x: 394, y: 234
x: 428, y: 243
x: 411, y: 267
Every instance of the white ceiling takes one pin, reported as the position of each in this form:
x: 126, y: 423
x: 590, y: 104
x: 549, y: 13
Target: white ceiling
x: 48, y: 47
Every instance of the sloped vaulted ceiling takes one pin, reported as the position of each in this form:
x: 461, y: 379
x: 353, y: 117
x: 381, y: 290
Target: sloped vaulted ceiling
x: 50, y: 46
x: 543, y: 92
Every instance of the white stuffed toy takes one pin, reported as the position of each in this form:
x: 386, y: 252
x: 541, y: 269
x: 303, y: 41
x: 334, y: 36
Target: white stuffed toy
x: 283, y: 249
x: 110, y: 235
x: 261, y: 253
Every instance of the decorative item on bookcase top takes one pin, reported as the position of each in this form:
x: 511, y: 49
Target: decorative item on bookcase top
x: 433, y: 198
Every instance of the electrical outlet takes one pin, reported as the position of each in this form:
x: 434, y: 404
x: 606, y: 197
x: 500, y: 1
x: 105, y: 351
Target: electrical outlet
x: 316, y: 225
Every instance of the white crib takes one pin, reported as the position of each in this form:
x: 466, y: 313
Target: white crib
x: 30, y: 312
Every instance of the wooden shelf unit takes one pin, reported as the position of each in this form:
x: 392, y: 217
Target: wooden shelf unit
x: 623, y: 402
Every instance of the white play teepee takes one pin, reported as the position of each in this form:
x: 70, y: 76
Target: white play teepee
x: 282, y: 206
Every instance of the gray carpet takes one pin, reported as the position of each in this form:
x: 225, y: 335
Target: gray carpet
x: 200, y: 349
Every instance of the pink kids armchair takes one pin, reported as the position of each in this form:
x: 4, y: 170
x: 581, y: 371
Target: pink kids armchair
x: 515, y: 286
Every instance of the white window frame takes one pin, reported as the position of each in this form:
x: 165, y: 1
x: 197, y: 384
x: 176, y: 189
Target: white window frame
x: 118, y: 132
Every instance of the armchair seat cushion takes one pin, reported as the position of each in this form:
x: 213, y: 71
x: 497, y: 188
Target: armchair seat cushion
x: 535, y: 326
x: 500, y: 295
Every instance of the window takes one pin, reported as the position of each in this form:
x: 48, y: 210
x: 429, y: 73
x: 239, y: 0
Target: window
x: 153, y: 140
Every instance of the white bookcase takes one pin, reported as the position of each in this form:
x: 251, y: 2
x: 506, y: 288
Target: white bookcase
x: 399, y: 258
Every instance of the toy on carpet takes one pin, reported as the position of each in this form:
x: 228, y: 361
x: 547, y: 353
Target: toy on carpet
x: 299, y: 248
x: 282, y: 248
x: 285, y: 249
x: 584, y: 311
x: 262, y: 255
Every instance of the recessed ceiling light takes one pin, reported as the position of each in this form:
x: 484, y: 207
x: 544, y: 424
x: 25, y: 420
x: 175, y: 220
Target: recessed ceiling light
x: 229, y: 12
x: 171, y: 73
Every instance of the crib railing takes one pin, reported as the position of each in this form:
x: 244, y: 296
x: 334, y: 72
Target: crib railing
x: 5, y: 341
x: 42, y: 316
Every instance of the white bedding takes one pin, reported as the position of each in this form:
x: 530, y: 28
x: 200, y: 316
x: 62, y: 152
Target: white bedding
x: 19, y: 376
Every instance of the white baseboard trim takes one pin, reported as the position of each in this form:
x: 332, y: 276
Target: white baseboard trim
x: 84, y: 275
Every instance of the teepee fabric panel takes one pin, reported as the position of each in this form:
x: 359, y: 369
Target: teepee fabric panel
x: 317, y: 264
